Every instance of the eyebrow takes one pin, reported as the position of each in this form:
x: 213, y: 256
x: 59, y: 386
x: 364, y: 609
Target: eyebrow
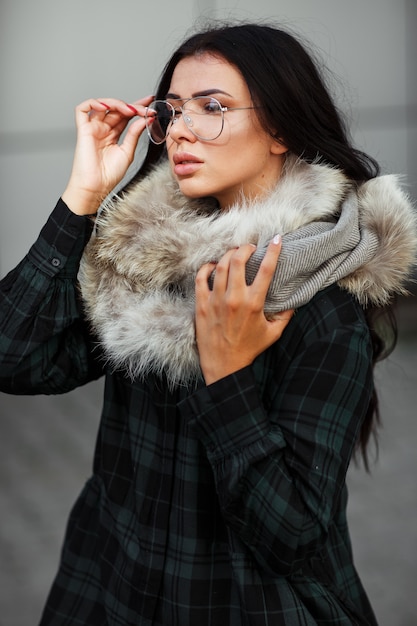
x: 205, y: 92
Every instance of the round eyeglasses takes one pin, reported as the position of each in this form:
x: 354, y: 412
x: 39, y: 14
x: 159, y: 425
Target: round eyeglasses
x: 203, y: 115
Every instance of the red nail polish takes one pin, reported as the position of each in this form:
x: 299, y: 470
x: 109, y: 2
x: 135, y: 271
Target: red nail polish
x: 132, y: 108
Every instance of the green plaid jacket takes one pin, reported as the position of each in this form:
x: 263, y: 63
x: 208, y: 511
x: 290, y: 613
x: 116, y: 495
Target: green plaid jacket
x: 216, y: 506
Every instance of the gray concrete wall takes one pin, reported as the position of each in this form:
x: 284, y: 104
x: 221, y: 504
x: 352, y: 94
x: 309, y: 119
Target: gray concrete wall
x: 55, y: 54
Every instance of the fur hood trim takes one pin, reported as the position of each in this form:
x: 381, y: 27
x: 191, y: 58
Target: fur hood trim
x: 137, y: 274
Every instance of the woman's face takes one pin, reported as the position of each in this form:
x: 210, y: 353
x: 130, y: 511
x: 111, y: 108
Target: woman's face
x: 243, y: 159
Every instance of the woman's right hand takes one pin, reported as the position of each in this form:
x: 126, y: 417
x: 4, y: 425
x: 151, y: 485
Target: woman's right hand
x: 100, y: 161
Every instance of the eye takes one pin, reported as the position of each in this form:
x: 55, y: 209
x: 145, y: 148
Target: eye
x: 212, y: 106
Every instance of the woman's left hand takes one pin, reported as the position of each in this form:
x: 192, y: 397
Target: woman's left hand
x: 231, y: 327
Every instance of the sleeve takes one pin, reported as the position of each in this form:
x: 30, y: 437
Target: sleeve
x: 45, y: 346
x: 280, y: 470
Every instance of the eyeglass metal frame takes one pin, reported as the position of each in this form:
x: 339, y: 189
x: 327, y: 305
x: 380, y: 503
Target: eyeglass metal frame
x: 187, y: 118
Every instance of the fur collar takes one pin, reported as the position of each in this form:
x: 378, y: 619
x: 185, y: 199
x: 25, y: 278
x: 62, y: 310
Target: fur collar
x: 137, y: 274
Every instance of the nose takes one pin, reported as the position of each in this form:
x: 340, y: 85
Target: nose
x: 181, y: 128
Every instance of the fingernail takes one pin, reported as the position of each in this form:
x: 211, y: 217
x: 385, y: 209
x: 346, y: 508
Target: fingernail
x: 104, y: 104
x: 132, y: 108
x: 277, y: 239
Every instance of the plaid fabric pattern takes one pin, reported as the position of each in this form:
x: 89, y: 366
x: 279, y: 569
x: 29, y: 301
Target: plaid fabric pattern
x: 217, y: 506
x: 45, y: 347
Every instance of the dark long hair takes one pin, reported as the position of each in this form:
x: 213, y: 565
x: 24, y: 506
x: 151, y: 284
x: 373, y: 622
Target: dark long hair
x: 295, y: 106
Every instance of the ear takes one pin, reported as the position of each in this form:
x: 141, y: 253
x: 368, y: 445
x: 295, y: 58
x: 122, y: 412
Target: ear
x: 278, y: 147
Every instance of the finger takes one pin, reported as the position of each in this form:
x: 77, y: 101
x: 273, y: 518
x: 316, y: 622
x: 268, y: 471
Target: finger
x: 124, y: 108
x: 267, y: 267
x: 202, y: 279
x: 131, y: 138
x: 135, y: 130
x: 221, y: 279
x: 142, y: 104
x: 86, y: 108
x: 280, y: 317
x: 110, y: 109
x: 138, y: 107
x: 278, y: 322
x: 237, y: 267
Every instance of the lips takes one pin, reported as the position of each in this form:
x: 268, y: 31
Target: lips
x: 185, y: 157
x: 186, y: 163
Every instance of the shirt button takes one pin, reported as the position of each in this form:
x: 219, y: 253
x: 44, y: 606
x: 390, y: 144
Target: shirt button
x: 55, y: 262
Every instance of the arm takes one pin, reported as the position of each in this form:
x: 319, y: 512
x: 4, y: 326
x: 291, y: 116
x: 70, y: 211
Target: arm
x: 45, y: 347
x: 44, y: 343
x: 279, y: 469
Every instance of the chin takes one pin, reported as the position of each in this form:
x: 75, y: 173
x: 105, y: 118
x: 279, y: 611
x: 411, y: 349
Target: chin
x: 191, y: 190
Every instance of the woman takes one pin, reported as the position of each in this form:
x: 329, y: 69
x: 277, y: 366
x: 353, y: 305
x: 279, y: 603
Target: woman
x: 229, y: 422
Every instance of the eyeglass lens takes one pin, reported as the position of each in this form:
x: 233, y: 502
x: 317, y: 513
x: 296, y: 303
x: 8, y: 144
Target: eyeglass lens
x: 203, y: 115
x: 158, y: 118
